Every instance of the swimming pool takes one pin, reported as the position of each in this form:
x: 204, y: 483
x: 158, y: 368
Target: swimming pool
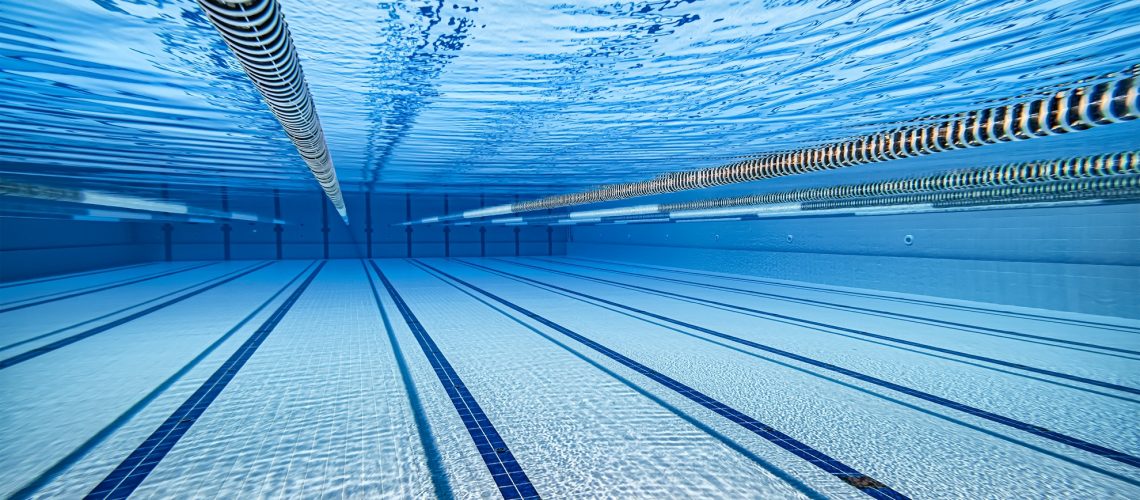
x: 722, y: 249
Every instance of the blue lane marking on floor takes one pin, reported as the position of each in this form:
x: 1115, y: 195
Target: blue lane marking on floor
x: 99, y: 437
x: 67, y: 276
x: 993, y: 417
x: 847, y: 474
x: 98, y: 288
x: 122, y: 481
x: 857, y: 309
x: 932, y: 303
x: 508, y: 474
x: 40, y: 351
x: 432, y: 454
x: 844, y: 329
x: 103, y: 316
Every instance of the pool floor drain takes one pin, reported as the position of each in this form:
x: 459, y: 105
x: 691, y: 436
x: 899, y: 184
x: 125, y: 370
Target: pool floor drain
x: 862, y: 482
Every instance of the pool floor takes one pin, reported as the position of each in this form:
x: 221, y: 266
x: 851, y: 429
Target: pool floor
x: 561, y: 377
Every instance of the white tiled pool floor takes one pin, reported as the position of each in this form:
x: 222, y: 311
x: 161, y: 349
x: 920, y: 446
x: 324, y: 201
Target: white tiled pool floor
x: 558, y: 377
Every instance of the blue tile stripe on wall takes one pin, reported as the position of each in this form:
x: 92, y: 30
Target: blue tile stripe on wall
x: 508, y: 474
x: 954, y: 405
x: 862, y: 333
x: 99, y: 288
x: 40, y: 351
x: 133, y: 470
x: 847, y: 474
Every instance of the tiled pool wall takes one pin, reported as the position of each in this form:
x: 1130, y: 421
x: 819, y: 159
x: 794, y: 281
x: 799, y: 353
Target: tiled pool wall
x: 31, y: 248
x: 1079, y: 259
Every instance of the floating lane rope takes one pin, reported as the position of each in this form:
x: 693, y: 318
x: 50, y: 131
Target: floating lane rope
x: 256, y: 32
x: 1062, y: 112
x: 1093, y: 178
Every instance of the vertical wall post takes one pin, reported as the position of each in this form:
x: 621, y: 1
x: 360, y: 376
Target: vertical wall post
x: 168, y: 241
x: 226, y: 228
x: 277, y: 227
x: 408, y: 216
x: 167, y: 230
x: 549, y: 240
x: 325, y: 224
x: 482, y: 229
x: 368, y: 221
x: 518, y: 231
x: 446, y: 230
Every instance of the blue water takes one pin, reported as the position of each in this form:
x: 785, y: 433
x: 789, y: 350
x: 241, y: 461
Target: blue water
x: 500, y: 96
x: 184, y: 315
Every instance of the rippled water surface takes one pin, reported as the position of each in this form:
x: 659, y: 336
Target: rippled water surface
x: 522, y: 96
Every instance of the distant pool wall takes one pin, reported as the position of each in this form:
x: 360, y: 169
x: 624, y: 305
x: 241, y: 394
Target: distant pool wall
x: 1080, y: 259
x: 39, y: 247
x: 32, y: 247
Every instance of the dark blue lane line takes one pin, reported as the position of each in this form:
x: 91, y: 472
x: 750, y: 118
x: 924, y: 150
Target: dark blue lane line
x: 98, y: 288
x: 820, y: 374
x: 75, y: 275
x: 81, y: 451
x: 827, y: 326
x: 432, y: 455
x: 107, y: 315
x: 932, y: 303
x: 863, y: 482
x: 87, y: 288
x: 508, y: 474
x: 781, y: 474
x: 954, y: 405
x: 984, y: 330
x: 44, y: 349
x: 133, y: 470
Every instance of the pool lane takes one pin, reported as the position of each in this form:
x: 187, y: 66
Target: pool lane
x: 35, y: 326
x: 71, y: 338
x: 23, y: 293
x: 134, y: 469
x: 55, y: 404
x: 1007, y: 353
x: 577, y: 430
x: 35, y: 301
x: 509, y: 476
x: 1132, y: 342
x: 319, y: 409
x: 953, y: 405
x: 73, y: 277
x: 927, y: 453
x: 1099, y: 417
x: 863, y: 482
x: 1003, y: 316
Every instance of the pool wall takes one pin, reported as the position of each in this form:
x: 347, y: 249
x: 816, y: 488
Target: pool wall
x: 1079, y: 259
x: 41, y: 247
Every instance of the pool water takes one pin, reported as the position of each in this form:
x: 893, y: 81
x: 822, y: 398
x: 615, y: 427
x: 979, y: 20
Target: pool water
x: 654, y: 249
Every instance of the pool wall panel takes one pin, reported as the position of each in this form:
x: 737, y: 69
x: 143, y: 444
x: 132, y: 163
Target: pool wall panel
x: 1079, y: 259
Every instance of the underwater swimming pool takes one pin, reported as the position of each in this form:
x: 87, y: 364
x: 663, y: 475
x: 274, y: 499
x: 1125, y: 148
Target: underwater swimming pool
x: 657, y: 249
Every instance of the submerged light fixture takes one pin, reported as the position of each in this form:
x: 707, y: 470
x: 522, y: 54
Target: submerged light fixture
x: 1075, y: 109
x: 256, y: 32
